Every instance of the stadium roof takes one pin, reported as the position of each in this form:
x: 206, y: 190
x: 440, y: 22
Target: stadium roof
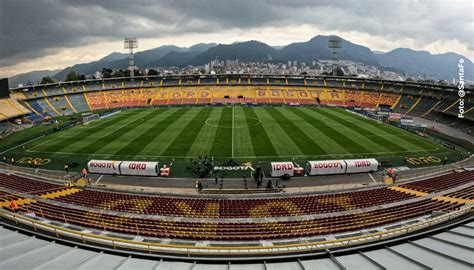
x: 451, y: 249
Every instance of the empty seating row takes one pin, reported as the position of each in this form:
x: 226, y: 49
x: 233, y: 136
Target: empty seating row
x: 237, y: 231
x: 26, y: 185
x: 235, y: 208
x: 442, y: 182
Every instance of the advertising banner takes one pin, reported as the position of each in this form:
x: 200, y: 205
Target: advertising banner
x: 323, y: 167
x: 103, y: 166
x: 140, y: 168
x: 361, y: 165
x: 281, y: 168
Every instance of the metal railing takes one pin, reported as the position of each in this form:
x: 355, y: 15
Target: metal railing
x: 226, y: 249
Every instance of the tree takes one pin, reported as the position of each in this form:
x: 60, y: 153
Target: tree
x: 118, y: 73
x: 46, y: 80
x: 82, y: 77
x: 71, y: 76
x: 153, y: 72
x: 106, y: 73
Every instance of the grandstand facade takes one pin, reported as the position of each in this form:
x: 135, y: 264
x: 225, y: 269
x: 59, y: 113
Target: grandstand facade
x: 433, y: 102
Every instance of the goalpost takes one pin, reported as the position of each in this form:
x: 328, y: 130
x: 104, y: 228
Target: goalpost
x: 89, y: 118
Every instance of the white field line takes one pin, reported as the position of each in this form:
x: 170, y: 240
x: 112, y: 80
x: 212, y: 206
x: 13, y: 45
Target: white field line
x: 233, y: 131
x: 14, y: 147
x: 254, y: 157
x: 65, y: 133
x: 53, y: 138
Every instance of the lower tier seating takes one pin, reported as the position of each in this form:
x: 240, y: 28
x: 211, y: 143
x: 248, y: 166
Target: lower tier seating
x: 238, y: 231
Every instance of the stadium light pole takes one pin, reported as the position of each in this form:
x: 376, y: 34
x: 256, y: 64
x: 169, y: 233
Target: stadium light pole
x: 334, y: 43
x: 130, y: 44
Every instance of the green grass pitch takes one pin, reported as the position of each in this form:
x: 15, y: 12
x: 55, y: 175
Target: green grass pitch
x: 256, y: 134
x: 241, y: 133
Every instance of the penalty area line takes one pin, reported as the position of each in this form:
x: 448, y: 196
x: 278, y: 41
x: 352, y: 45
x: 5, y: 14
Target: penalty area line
x: 14, y: 147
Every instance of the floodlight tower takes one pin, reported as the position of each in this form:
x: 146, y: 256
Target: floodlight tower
x: 334, y: 43
x: 130, y: 44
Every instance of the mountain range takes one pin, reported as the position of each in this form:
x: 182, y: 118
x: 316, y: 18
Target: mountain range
x: 410, y: 62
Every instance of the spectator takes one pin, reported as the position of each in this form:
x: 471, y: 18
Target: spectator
x: 84, y: 172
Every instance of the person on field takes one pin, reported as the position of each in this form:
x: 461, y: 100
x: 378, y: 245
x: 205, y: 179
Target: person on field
x: 66, y: 168
x: 36, y: 166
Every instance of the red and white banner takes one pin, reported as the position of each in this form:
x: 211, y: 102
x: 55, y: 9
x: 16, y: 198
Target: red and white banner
x: 361, y: 165
x: 104, y: 166
x: 323, y: 167
x: 141, y: 168
x: 281, y: 168
x: 395, y: 116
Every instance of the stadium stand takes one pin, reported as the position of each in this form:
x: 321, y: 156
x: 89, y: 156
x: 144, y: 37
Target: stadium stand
x: 238, y: 231
x: 226, y: 229
x: 61, y: 105
x: 442, y: 182
x: 237, y: 208
x: 429, y: 101
x: 79, y: 101
x: 10, y: 108
x: 406, y: 103
x: 96, y: 100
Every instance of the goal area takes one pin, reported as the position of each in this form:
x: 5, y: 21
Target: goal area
x: 89, y: 118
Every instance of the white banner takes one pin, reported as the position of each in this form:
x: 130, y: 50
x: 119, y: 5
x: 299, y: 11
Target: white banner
x: 104, y: 166
x: 281, y: 168
x: 323, y: 167
x: 361, y: 165
x: 141, y: 168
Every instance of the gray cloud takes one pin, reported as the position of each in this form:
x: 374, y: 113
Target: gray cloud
x: 30, y: 28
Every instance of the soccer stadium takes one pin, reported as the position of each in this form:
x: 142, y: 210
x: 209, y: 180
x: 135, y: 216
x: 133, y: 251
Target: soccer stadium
x: 243, y: 170
x: 236, y: 135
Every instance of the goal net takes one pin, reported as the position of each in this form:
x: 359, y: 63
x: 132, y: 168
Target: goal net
x: 89, y: 118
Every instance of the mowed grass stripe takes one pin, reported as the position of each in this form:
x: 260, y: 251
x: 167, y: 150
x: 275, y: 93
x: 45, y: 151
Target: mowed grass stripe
x: 141, y: 141
x: 403, y: 135
x: 222, y: 145
x: 185, y: 139
x: 203, y: 143
x: 262, y: 146
x: 134, y: 134
x: 242, y: 139
x: 159, y: 144
x: 314, y: 133
x: 78, y: 135
x: 301, y: 140
x: 96, y: 146
x: 283, y: 144
x: 344, y: 141
x: 352, y: 134
x: 381, y: 141
x: 379, y: 130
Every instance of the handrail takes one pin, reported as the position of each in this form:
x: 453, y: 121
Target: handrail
x: 278, y: 248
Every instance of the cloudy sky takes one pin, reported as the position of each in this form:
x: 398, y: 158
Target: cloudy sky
x: 53, y: 34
